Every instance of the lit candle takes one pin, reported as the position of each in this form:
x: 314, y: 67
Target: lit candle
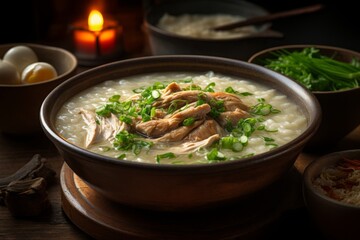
x: 97, y: 41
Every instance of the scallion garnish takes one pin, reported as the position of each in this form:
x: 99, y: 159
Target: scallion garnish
x: 210, y: 87
x: 231, y: 90
x: 126, y: 141
x: 188, y: 121
x: 215, y: 155
x: 165, y: 155
x: 263, y: 108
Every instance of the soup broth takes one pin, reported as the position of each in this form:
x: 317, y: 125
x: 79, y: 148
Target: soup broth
x: 180, y: 118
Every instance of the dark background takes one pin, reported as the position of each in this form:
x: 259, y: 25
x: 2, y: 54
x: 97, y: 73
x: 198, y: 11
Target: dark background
x: 48, y: 21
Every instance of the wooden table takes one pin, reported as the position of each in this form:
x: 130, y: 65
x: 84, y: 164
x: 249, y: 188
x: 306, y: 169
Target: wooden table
x: 16, y: 151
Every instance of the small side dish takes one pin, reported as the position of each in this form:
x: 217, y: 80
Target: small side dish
x: 20, y: 65
x: 331, y: 191
x: 341, y: 181
x: 28, y: 72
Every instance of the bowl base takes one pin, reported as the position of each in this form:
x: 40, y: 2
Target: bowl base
x: 104, y: 219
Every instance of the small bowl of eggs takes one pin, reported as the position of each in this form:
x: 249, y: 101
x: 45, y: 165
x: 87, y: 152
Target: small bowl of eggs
x: 28, y: 72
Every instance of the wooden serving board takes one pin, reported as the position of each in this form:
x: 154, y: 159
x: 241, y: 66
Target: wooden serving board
x: 248, y: 218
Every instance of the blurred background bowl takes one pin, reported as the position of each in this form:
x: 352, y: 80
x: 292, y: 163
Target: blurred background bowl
x: 335, y: 219
x: 340, y: 113
x: 162, y: 42
x: 178, y: 187
x: 20, y: 104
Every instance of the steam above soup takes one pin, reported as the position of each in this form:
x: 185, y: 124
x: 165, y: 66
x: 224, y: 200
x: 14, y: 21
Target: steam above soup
x: 180, y: 118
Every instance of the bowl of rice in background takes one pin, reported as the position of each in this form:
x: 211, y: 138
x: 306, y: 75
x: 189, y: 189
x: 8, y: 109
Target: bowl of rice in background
x: 331, y: 191
x: 183, y: 27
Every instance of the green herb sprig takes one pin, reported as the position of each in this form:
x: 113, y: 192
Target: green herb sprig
x: 315, y: 71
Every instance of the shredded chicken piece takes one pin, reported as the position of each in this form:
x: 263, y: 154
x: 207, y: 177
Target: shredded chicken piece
x: 179, y: 133
x: 205, y: 130
x: 171, y: 88
x: 157, y: 128
x: 186, y: 97
x: 189, y: 147
x: 106, y: 130
x: 232, y: 117
x: 169, y: 128
x: 231, y: 101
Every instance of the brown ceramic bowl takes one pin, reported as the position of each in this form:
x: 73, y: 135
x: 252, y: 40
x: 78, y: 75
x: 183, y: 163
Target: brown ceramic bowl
x: 178, y: 187
x: 335, y: 219
x: 339, y: 116
x: 163, y: 42
x: 20, y: 104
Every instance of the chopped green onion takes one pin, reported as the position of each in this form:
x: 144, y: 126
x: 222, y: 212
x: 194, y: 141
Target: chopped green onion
x: 155, y: 94
x: 214, y: 154
x: 210, y: 87
x: 126, y: 141
x: 244, y: 139
x: 104, y: 148
x: 263, y: 108
x: 188, y: 121
x: 231, y: 90
x: 237, y: 146
x: 114, y: 98
x: 121, y: 156
x: 165, y: 155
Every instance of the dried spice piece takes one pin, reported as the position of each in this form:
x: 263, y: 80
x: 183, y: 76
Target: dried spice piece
x: 24, y: 192
x: 26, y: 198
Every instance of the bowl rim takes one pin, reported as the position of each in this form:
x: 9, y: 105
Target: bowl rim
x: 319, y: 46
x: 157, y: 30
x: 50, y: 131
x: 45, y: 47
x: 325, y: 161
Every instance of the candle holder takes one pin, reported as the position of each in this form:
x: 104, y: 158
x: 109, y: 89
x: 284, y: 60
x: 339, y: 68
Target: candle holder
x: 94, y: 48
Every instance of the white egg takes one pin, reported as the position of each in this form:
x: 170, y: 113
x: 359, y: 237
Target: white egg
x: 38, y: 72
x: 20, y: 56
x: 8, y: 73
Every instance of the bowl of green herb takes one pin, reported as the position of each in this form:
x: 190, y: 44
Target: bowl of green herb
x: 332, y: 74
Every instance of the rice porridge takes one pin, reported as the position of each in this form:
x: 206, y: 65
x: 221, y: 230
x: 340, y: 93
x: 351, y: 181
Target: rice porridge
x: 180, y: 118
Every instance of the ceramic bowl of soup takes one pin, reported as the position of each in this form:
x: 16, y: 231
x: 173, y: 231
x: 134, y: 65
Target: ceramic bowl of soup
x: 331, y: 191
x: 184, y: 27
x: 335, y: 86
x: 179, y: 132
x: 28, y: 72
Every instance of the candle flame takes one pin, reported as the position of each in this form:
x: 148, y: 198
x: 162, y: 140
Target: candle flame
x: 95, y: 20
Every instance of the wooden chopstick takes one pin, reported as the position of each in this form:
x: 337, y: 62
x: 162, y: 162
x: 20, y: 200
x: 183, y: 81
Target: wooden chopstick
x: 270, y: 17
